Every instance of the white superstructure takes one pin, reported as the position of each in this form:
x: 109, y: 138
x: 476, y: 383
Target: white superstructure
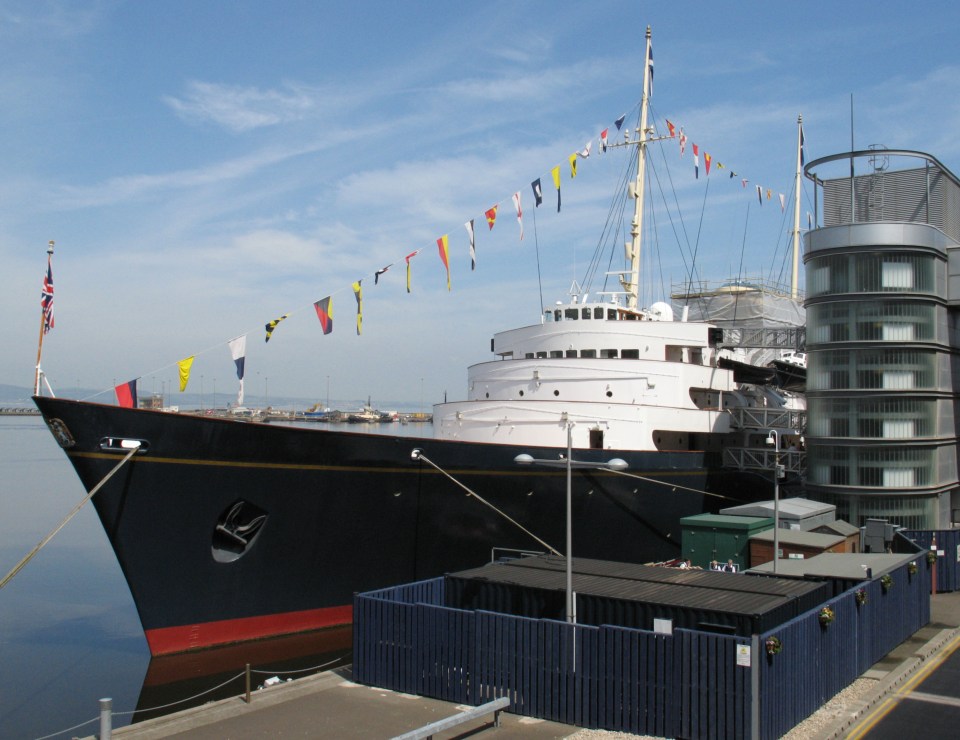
x: 616, y: 376
x: 626, y: 379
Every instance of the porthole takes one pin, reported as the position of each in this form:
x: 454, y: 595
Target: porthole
x: 556, y: 393
x: 521, y: 394
x: 609, y: 394
x: 487, y: 394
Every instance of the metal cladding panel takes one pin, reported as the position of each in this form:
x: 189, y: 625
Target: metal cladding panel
x: 632, y: 596
x: 899, y: 195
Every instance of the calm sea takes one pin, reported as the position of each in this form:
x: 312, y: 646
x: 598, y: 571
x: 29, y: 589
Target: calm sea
x: 69, y: 632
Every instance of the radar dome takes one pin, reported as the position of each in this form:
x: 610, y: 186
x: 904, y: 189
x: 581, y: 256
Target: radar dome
x: 661, y: 311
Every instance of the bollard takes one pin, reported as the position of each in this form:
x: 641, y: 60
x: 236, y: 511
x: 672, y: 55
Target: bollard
x: 248, y: 683
x: 106, y: 718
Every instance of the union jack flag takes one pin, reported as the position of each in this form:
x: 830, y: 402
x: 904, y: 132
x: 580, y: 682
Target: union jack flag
x: 46, y: 298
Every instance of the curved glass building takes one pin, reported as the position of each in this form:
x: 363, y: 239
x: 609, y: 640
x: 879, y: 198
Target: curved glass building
x: 883, y: 288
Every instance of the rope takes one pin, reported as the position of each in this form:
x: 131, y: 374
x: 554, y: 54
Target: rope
x: 421, y: 456
x: 40, y: 545
x: 181, y: 701
x: 189, y: 698
x: 674, y: 486
x: 299, y: 670
x: 69, y: 729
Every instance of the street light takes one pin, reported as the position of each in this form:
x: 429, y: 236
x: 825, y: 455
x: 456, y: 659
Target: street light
x: 615, y: 464
x: 773, y: 438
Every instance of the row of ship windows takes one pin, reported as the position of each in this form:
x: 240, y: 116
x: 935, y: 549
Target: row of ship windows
x: 626, y: 354
x: 587, y: 312
x: 556, y: 393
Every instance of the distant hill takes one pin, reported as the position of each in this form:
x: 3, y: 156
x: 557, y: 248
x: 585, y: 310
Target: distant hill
x: 15, y: 395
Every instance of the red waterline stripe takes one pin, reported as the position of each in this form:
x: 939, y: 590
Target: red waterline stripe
x: 190, y: 637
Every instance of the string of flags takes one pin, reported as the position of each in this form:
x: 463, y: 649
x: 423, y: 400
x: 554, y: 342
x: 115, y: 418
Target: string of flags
x: 678, y: 133
x: 127, y: 392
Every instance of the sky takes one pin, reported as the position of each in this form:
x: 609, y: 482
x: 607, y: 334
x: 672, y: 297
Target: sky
x: 205, y: 167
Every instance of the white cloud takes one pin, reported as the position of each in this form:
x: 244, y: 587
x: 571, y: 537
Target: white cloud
x: 238, y: 108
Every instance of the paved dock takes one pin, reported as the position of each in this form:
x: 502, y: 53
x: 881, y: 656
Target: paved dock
x: 331, y: 705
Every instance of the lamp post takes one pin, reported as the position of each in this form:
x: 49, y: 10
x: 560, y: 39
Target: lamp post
x: 615, y: 464
x: 773, y: 438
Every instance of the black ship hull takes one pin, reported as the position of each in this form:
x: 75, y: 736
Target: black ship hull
x: 229, y: 530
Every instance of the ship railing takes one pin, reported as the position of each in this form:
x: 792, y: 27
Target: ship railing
x: 764, y: 458
x: 764, y: 417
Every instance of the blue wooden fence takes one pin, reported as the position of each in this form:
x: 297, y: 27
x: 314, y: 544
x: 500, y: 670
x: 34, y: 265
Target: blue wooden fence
x: 688, y: 684
x: 948, y: 566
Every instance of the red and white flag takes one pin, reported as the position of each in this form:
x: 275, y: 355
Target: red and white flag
x: 516, y: 203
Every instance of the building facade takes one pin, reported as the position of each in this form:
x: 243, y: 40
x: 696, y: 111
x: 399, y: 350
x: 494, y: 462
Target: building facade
x: 883, y: 292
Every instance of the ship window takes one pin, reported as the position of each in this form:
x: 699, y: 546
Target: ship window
x: 588, y: 353
x: 611, y: 314
x: 598, y: 312
x: 528, y: 356
x: 556, y: 393
x: 541, y: 355
x: 608, y: 353
x: 571, y: 353
x: 609, y: 394
x: 548, y: 316
x: 571, y: 313
x: 596, y: 439
x: 521, y: 393
x: 556, y: 353
x: 586, y: 313
x: 630, y: 354
x: 557, y: 314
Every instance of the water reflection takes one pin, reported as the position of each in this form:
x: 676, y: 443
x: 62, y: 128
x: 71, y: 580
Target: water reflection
x: 177, y: 682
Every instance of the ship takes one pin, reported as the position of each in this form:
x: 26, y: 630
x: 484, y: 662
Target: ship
x: 228, y: 531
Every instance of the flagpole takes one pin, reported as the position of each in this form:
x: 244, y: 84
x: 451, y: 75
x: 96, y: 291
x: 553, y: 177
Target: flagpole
x: 794, y: 278
x: 39, y: 372
x: 633, y: 287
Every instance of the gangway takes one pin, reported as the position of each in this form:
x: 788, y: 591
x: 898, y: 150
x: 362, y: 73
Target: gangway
x: 765, y: 458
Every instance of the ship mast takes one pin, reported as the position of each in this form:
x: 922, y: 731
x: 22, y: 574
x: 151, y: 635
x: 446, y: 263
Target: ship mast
x: 632, y: 287
x: 794, y: 279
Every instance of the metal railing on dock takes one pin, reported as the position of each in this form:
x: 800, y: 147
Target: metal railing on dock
x: 784, y: 338
x: 785, y: 420
x: 764, y: 458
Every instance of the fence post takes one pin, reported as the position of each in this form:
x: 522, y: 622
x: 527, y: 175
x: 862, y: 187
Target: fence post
x: 248, y: 683
x: 106, y: 718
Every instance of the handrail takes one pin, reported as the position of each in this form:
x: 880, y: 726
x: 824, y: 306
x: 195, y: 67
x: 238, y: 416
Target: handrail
x: 496, y: 706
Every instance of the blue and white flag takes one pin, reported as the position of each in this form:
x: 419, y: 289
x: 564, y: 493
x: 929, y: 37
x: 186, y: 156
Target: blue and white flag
x: 238, y: 351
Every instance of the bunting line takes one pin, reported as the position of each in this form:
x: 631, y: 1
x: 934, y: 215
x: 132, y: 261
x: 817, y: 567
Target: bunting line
x: 126, y: 392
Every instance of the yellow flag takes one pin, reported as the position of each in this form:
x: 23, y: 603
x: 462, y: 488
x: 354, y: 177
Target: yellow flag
x: 573, y: 165
x: 184, y: 367
x: 358, y: 293
x: 555, y: 172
